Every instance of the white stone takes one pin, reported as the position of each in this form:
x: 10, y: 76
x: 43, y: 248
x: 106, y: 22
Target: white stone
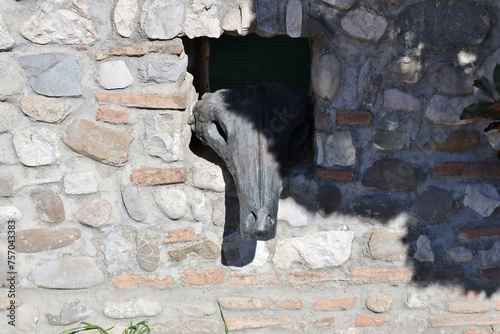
x: 133, y: 308
x: 163, y: 19
x: 202, y: 19
x: 36, y: 147
x: 446, y: 111
x: 416, y: 301
x: 124, y: 15
x: 482, y: 198
x: 238, y: 20
x: 406, y: 69
x: 208, y: 176
x: 8, y: 213
x: 460, y: 254
x: 364, y: 24
x: 197, y: 203
x: 319, y: 250
x: 294, y: 18
x: 172, y: 202
x: 292, y: 213
x: 9, y: 118
x: 493, y: 137
x: 6, y: 40
x: 80, y: 183
x: 396, y: 100
x: 338, y: 150
x: 341, y: 4
x: 45, y: 109
x: 326, y: 75
x: 167, y: 136
x: 160, y: 69
x: 26, y: 317
x: 12, y: 82
x: 424, y: 251
x: 60, y: 22
x: 114, y: 75
x: 118, y: 252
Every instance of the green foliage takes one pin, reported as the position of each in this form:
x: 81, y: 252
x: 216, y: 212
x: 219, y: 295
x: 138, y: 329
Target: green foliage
x: 139, y: 328
x: 226, y: 329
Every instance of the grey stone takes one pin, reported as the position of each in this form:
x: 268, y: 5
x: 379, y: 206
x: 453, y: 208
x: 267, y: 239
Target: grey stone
x: 380, y: 207
x: 294, y: 18
x: 114, y: 74
x: 432, y: 204
x: 424, y: 251
x: 172, y: 202
x: 338, y: 150
x: 197, y: 203
x: 163, y: 20
x: 394, y: 133
x: 328, y: 200
x: 396, y: 100
x: 53, y: 74
x: 6, y: 40
x: 319, y: 250
x: 202, y: 19
x: 363, y: 23
x: 378, y: 303
x: 68, y: 273
x: 460, y: 254
x: 133, y: 308
x: 124, y: 16
x: 118, y: 252
x: 49, y: 206
x: 45, y: 109
x: 207, y: 250
x: 490, y: 257
x: 340, y: 4
x: 36, y: 147
x: 167, y: 136
x: 392, y: 175
x: 95, y: 213
x: 132, y: 200
x: 9, y: 213
x: 443, y: 26
x: 70, y: 313
x: 60, y: 22
x: 26, y: 317
x: 326, y: 75
x: 292, y: 213
x: 208, y: 176
x: 10, y: 117
x: 387, y: 245
x: 482, y: 198
x: 148, y: 253
x: 12, y: 83
x: 267, y: 18
x: 6, y: 185
x: 406, y: 69
x: 451, y: 80
x: 80, y: 183
x: 367, y: 83
x: 161, y: 69
x: 98, y: 142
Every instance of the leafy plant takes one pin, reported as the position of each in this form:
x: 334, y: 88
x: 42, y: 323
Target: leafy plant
x: 486, y: 109
x: 139, y: 328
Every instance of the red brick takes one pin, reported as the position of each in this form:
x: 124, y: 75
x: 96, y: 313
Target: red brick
x: 204, y: 277
x: 173, y: 48
x: 464, y: 320
x: 147, y: 101
x: 371, y: 320
x: 181, y: 235
x: 491, y: 274
x: 130, y: 51
x: 473, y: 233
x: 153, y: 177
x: 335, y: 304
x: 112, y: 116
x: 351, y: 117
x: 325, y: 322
x: 242, y: 303
x: 129, y: 281
x: 287, y: 304
x: 468, y: 307
x: 335, y: 174
x: 268, y: 278
x: 261, y: 321
x: 380, y: 274
x: 467, y: 169
x: 302, y: 278
x: 474, y: 331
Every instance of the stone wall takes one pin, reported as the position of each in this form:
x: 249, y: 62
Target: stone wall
x: 395, y: 230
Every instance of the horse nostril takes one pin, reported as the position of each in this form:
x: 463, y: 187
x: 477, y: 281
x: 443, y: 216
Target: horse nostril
x: 269, y: 221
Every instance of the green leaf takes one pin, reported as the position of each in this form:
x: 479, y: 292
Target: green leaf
x: 226, y: 329
x: 478, y: 110
x: 496, y: 78
x: 483, y: 84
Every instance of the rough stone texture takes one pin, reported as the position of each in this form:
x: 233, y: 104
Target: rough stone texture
x: 238, y: 20
x: 53, y: 74
x: 161, y: 69
x: 124, y: 16
x: 6, y: 185
x: 95, y: 213
x: 80, y: 183
x: 117, y: 252
x: 381, y: 207
x: 459, y: 141
x: 335, y: 249
x: 364, y: 24
x: 397, y: 100
x: 294, y: 18
x: 12, y: 82
x: 197, y: 203
x: 9, y: 113
x: 406, y: 69
x: 163, y: 20
x: 132, y: 200
x: 341, y: 4
x: 45, y: 109
x: 60, y: 22
x: 387, y: 245
x: 206, y: 250
x: 482, y: 198
x: 36, y: 147
x: 291, y: 213
x: 424, y: 251
x: 452, y: 80
x: 114, y: 75
x: 202, y: 19
x: 432, y: 204
x: 68, y: 273
x: 172, y: 202
x: 490, y: 257
x: 133, y: 308
x: 267, y: 17
x: 326, y: 75
x: 6, y: 40
x: 460, y: 254
x: 338, y: 150
x: 148, y: 253
x: 70, y: 313
x: 49, y: 206
x: 86, y: 137
x: 167, y: 136
x: 208, y: 176
x: 443, y: 26
x: 395, y: 133
x: 368, y: 83
x: 9, y: 213
x: 26, y: 317
x: 392, y: 175
x: 378, y: 303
